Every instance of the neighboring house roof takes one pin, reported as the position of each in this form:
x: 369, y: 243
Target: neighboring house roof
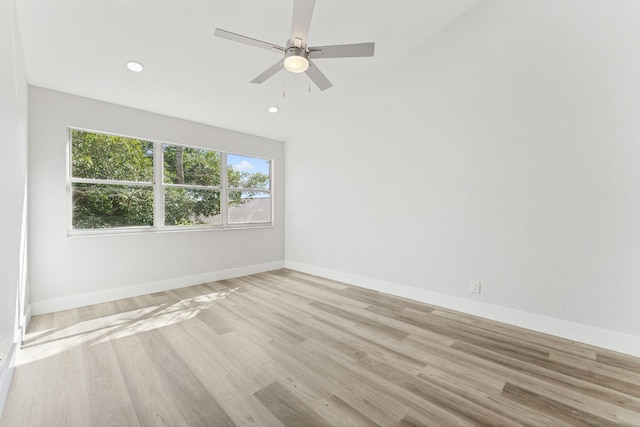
x: 253, y: 210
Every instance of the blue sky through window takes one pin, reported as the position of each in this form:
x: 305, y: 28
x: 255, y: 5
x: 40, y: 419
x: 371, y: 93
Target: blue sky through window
x: 247, y: 164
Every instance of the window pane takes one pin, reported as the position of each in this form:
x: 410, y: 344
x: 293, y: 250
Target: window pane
x: 188, y: 207
x: 98, y: 156
x: 191, y: 166
x: 248, y: 172
x: 109, y: 206
x: 249, y: 207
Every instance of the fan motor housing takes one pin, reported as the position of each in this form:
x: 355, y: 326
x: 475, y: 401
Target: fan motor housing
x: 296, y: 51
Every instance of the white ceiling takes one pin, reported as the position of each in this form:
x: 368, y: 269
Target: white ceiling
x: 82, y: 46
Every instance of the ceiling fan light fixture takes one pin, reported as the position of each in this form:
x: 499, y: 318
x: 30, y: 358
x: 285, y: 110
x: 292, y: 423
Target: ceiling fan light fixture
x: 296, y: 60
x: 296, y: 64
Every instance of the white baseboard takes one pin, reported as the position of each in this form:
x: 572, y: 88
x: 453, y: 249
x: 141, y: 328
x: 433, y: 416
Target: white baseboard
x: 603, y: 338
x: 90, y: 298
x: 6, y: 375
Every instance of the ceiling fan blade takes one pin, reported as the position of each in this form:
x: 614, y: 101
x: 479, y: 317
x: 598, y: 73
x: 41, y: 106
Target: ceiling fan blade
x: 246, y: 40
x: 342, y: 50
x: 269, y: 72
x: 317, y: 77
x: 302, y: 13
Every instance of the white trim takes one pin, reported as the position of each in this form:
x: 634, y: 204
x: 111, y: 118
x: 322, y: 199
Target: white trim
x: 26, y: 321
x: 81, y: 300
x: 6, y: 375
x: 224, y: 190
x: 611, y: 340
x: 158, y: 189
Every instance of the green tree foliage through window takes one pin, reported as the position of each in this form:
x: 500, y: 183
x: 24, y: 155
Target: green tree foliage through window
x: 111, y: 158
x: 191, y: 166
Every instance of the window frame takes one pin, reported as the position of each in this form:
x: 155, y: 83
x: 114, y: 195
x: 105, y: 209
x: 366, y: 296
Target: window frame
x: 159, y: 187
x: 248, y: 190
x: 161, y: 218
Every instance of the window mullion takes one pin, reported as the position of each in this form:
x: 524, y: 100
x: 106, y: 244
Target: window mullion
x: 110, y: 182
x: 195, y: 187
x: 250, y: 189
x: 224, y: 198
x: 158, y: 190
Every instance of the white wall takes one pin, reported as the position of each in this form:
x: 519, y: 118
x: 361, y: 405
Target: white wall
x: 13, y: 170
x: 72, y: 271
x: 506, y: 149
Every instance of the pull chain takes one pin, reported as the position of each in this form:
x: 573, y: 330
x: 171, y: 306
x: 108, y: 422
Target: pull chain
x: 283, y: 85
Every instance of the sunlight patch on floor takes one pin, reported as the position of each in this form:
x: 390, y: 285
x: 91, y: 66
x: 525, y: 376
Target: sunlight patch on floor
x: 50, y: 342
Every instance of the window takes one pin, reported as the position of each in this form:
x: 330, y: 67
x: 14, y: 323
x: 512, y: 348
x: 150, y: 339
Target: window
x: 249, y: 192
x: 112, y: 181
x: 191, y: 186
x: 121, y: 183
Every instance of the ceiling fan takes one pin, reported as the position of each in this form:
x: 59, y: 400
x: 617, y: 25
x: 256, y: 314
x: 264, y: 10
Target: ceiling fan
x: 298, y: 56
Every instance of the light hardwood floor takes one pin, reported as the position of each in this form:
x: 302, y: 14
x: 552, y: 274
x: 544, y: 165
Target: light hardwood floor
x: 285, y: 348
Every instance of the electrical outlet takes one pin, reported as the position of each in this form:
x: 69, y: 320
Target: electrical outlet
x: 475, y: 286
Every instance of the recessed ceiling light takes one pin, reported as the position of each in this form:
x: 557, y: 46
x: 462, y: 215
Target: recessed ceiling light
x: 273, y: 109
x: 135, y: 66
